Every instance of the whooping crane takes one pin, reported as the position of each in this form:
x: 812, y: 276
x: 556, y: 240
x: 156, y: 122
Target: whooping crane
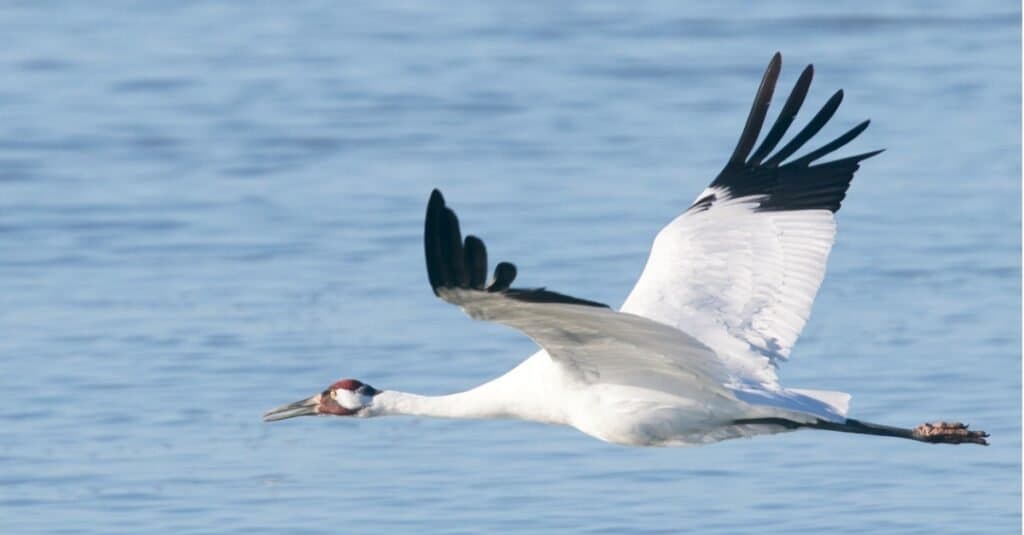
x: 690, y: 357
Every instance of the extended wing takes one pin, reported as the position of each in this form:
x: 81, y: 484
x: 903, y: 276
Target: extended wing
x: 593, y: 342
x: 740, y: 268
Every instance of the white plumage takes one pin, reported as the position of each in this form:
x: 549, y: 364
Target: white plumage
x: 690, y: 358
x: 733, y: 272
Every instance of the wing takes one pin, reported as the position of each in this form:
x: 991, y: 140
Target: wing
x: 740, y: 268
x: 593, y: 342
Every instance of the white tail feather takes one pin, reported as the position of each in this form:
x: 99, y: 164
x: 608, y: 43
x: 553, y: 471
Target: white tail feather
x: 838, y: 401
x: 798, y: 404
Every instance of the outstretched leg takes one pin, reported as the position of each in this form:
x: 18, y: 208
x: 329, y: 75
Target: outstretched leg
x: 935, y: 433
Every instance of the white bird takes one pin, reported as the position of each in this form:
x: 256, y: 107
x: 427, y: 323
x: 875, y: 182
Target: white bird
x: 690, y: 357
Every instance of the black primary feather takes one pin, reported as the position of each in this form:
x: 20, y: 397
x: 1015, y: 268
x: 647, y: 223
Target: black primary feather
x: 476, y: 262
x: 758, y: 111
x: 504, y: 274
x: 787, y: 185
x: 452, y: 263
x: 786, y: 116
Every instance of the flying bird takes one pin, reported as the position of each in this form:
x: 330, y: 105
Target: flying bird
x: 690, y: 358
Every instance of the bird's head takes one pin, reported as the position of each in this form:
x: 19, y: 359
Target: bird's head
x: 347, y: 397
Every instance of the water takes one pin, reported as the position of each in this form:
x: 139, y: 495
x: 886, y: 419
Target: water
x: 207, y: 210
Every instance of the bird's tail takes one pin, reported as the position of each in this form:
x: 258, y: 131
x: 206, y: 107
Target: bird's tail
x: 797, y: 404
x: 839, y: 402
x: 821, y: 409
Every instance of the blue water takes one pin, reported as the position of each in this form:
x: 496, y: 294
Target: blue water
x: 210, y: 209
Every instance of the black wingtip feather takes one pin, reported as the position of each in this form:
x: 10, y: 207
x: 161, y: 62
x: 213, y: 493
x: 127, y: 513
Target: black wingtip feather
x: 451, y: 246
x: 778, y: 183
x: 786, y: 116
x: 504, y: 274
x: 452, y: 263
x: 758, y: 111
x: 833, y: 145
x: 813, y: 127
x: 476, y: 262
x: 431, y: 241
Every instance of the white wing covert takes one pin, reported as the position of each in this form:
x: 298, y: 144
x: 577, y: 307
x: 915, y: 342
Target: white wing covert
x: 740, y: 268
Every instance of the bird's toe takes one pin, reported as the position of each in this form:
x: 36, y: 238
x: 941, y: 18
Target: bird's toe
x: 949, y: 433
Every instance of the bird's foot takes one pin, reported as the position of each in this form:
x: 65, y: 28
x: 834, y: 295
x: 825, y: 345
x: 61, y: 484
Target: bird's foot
x: 949, y: 433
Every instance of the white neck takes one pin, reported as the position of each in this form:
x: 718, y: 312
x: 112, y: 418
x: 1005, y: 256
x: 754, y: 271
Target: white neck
x: 522, y: 393
x: 468, y: 404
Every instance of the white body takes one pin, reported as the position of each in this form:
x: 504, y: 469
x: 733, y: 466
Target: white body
x: 541, y: 390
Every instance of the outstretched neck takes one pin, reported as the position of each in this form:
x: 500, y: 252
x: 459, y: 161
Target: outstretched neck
x: 513, y: 395
x: 468, y: 404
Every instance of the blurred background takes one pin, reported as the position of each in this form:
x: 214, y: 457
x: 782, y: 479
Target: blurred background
x: 208, y: 209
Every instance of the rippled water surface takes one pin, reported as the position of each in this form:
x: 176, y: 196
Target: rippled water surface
x: 209, y: 209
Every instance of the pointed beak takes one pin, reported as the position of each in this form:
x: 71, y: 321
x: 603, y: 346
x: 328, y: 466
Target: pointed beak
x: 306, y: 407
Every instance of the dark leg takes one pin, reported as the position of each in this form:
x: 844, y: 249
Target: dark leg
x: 936, y: 433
